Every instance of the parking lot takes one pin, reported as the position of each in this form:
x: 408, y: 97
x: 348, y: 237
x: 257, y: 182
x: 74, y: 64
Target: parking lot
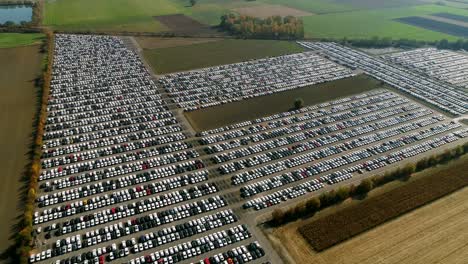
x: 436, y: 93
x: 207, y: 87
x: 124, y: 180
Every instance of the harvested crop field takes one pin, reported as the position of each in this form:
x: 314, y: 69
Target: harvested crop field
x: 158, y: 43
x: 17, y: 110
x: 328, y: 231
x: 439, y: 26
x: 222, y: 115
x: 452, y: 16
x: 183, y: 58
x: 264, y: 11
x: 183, y: 24
x: 434, y: 233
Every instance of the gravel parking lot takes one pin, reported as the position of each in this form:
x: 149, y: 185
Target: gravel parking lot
x: 124, y: 179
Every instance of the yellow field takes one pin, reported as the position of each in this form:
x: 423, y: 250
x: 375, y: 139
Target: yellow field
x: 436, y: 233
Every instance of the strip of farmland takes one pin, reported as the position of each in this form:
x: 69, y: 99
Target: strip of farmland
x: 452, y: 16
x: 332, y: 229
x: 434, y: 25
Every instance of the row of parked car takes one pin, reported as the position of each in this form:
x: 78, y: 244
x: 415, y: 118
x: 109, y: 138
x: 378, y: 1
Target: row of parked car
x: 307, y: 144
x: 153, y: 117
x: 285, y: 128
x: 129, y: 209
x: 237, y: 255
x: 122, y: 228
x: 133, y: 151
x: 148, y: 240
x: 227, y: 83
x: 444, y: 65
x: 68, y: 118
x: 148, y: 159
x: 106, y: 145
x: 286, y: 194
x: 334, y: 106
x: 445, y: 97
x: 292, y: 131
x: 115, y: 163
x: 197, y: 246
x: 280, y: 180
x: 134, y: 192
x: 277, y: 121
x: 109, y: 173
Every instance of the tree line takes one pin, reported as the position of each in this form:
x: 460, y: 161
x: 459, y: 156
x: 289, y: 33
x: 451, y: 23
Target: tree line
x: 11, y: 24
x: 326, y: 199
x: 274, y: 27
x: 377, y: 42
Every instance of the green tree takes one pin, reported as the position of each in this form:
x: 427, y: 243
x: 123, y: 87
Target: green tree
x: 364, y: 187
x: 193, y: 2
x: 342, y: 193
x: 300, y: 209
x: 313, y: 205
x: 422, y: 164
x: 327, y: 198
x: 298, y: 103
x: 9, y: 24
x: 443, y: 44
x: 278, y: 216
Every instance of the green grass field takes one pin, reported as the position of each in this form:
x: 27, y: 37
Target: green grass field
x: 222, y: 115
x: 130, y: 15
x: 339, y: 6
x: 379, y: 22
x: 107, y: 15
x: 333, y: 19
x: 316, y: 6
x: 8, y: 40
x: 182, y: 58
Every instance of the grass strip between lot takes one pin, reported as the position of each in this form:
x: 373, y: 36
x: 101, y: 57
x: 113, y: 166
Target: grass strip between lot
x: 183, y: 58
x: 351, y: 221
